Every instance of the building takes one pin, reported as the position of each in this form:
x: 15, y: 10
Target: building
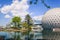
x: 37, y: 30
x: 51, y: 24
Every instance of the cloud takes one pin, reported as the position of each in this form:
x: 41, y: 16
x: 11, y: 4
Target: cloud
x: 7, y: 16
x: 5, y: 9
x: 17, y: 8
x: 38, y: 17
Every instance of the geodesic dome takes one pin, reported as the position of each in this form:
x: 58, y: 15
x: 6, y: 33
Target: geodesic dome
x: 51, y: 19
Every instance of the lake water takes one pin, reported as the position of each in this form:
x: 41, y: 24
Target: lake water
x: 18, y: 36
x: 46, y: 34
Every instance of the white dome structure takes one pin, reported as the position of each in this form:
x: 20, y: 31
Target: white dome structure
x: 51, y: 19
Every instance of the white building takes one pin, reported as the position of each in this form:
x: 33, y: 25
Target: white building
x: 51, y: 23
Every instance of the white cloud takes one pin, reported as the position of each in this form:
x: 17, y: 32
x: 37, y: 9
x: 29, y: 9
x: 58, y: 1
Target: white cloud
x: 38, y: 17
x: 5, y: 9
x: 17, y: 8
x: 31, y: 13
x: 7, y: 16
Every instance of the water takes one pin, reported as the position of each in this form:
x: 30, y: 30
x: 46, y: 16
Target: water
x: 19, y: 36
x: 34, y: 36
x: 10, y: 35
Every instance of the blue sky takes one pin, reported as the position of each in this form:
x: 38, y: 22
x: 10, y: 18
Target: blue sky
x: 11, y: 8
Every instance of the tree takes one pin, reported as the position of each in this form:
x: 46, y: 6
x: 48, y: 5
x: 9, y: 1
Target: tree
x: 16, y: 21
x: 29, y: 20
x: 36, y: 1
x: 24, y: 24
x: 28, y: 24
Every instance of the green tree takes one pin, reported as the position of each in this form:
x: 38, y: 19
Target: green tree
x: 28, y: 24
x: 29, y: 20
x: 24, y: 24
x: 16, y: 21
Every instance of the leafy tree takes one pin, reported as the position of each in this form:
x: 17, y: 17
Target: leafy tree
x: 28, y: 24
x: 16, y: 21
x: 24, y: 24
x: 29, y: 20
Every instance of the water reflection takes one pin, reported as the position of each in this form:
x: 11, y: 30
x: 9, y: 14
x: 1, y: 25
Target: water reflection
x: 19, y: 36
x: 16, y: 35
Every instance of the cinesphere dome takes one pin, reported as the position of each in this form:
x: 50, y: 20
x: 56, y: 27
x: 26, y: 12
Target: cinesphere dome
x: 51, y: 19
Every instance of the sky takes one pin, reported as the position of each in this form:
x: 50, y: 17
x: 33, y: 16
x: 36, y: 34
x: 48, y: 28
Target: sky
x: 11, y: 8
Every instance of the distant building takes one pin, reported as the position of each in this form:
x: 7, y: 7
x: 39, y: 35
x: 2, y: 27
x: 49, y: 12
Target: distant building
x: 1, y: 28
x: 37, y: 28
